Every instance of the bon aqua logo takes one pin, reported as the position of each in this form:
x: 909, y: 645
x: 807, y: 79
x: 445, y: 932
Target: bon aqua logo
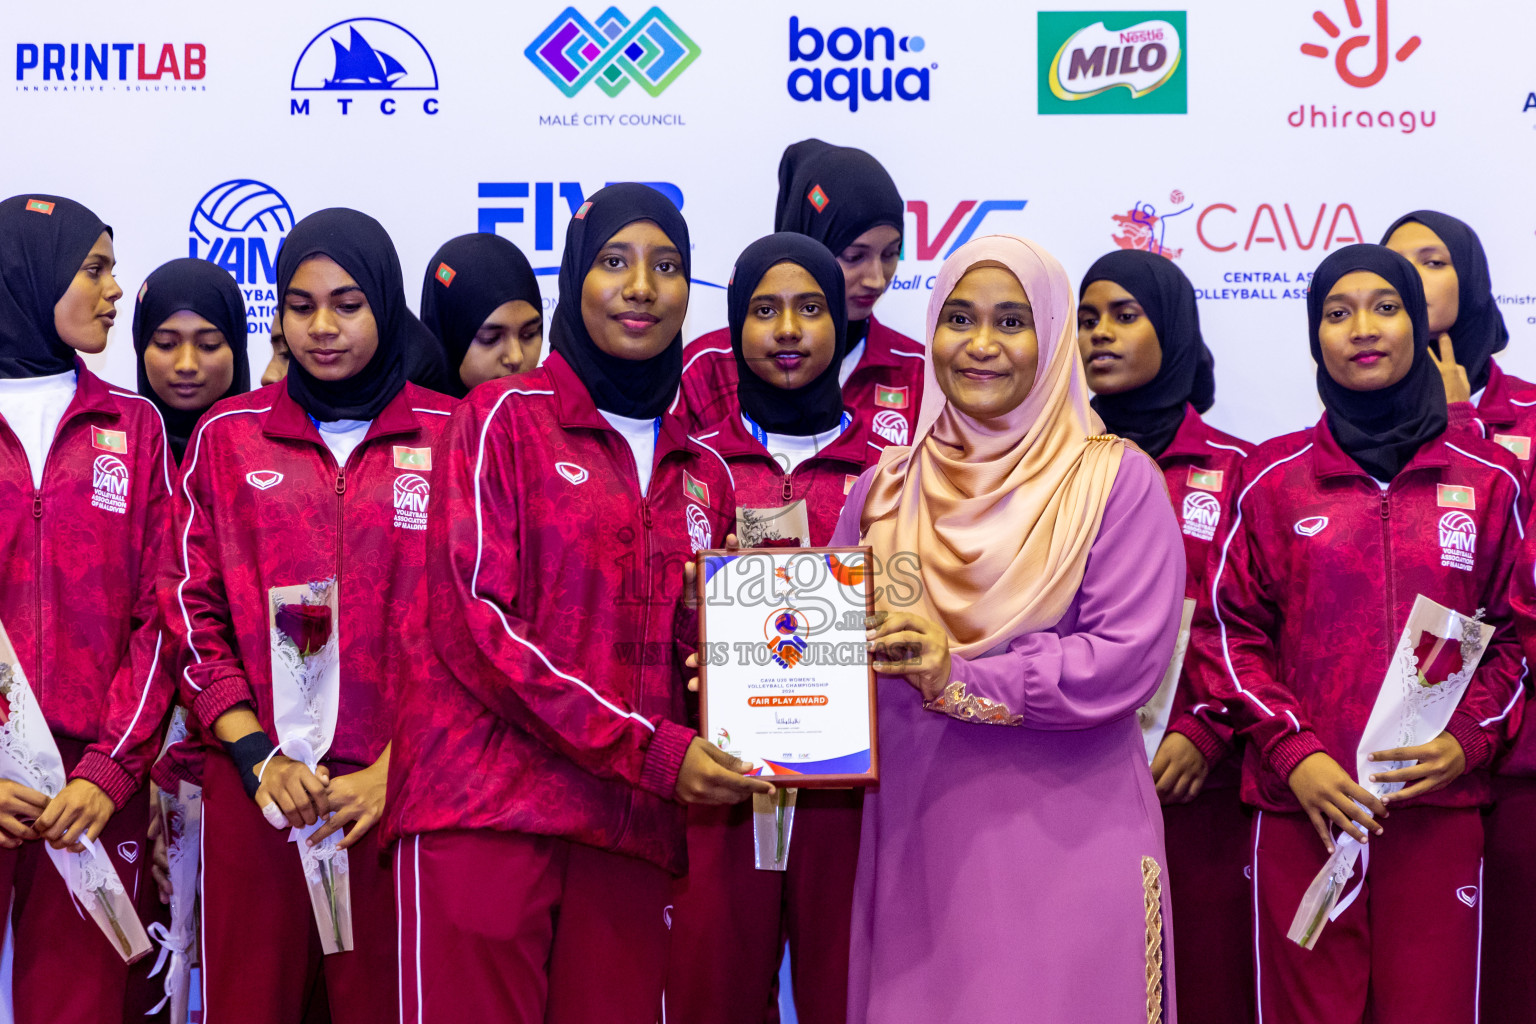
x: 1112, y: 62
x: 651, y: 51
x: 862, y: 65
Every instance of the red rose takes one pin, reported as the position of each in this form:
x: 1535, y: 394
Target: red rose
x: 307, y: 625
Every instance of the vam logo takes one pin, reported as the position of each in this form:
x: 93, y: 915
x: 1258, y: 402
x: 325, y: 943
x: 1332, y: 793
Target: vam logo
x: 1458, y: 541
x: 863, y: 65
x: 699, y: 532
x: 240, y: 225
x: 650, y: 51
x: 365, y: 55
x: 1112, y: 62
x: 1202, y: 512
x: 109, y: 482
x: 412, y: 492
x: 891, y: 425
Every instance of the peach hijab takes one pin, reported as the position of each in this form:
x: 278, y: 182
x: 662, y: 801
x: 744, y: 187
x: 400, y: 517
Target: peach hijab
x: 1001, y: 513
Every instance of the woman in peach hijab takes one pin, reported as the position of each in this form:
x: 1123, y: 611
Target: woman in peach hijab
x: 1011, y: 866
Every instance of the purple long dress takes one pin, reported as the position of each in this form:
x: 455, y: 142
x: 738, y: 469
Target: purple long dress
x: 1015, y: 872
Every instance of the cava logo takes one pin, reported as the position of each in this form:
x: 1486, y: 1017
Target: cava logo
x: 359, y: 57
x: 1458, y: 541
x: 650, y: 51
x: 109, y: 482
x: 861, y: 65
x: 1111, y: 62
x: 1201, y: 514
x: 240, y: 225
x: 411, y: 495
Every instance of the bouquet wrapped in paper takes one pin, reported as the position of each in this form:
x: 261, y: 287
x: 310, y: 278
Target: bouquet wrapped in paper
x: 1433, y: 662
x: 29, y: 756
x: 1153, y: 715
x: 306, y: 689
x: 181, y: 816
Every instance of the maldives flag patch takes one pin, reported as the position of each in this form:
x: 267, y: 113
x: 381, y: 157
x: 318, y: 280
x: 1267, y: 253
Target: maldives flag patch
x: 109, y: 440
x: 818, y: 198
x: 1456, y: 496
x: 445, y: 274
x: 412, y: 458
x: 1205, y: 479
x: 1518, y: 446
x: 40, y: 206
x: 848, y: 482
x: 581, y: 213
x: 890, y: 398
x: 695, y: 489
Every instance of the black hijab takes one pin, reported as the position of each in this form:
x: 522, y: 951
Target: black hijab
x: 1380, y: 430
x: 834, y: 194
x: 1150, y: 415
x: 211, y: 293
x: 819, y: 405
x: 360, y: 246
x: 1479, y: 329
x: 467, y: 280
x: 43, y: 241
x: 637, y: 388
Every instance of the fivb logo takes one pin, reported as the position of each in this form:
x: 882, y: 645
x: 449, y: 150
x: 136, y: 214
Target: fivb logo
x: 365, y: 55
x: 650, y: 51
x: 240, y: 225
x: 109, y: 483
x: 1112, y: 62
x: 546, y: 213
x: 412, y: 492
x: 859, y: 74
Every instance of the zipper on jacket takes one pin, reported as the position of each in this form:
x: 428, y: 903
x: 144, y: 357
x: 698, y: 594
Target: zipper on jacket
x: 789, y: 487
x: 1386, y: 557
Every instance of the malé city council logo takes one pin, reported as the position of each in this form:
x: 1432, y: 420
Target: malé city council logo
x: 1112, y: 62
x: 650, y: 51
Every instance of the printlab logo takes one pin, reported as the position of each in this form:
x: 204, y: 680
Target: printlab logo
x: 1379, y: 48
x: 360, y: 57
x: 1112, y: 62
x: 650, y: 51
x: 863, y: 65
x: 111, y: 67
x: 240, y: 225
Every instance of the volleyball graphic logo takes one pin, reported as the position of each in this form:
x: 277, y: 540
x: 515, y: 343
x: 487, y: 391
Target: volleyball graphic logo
x: 240, y: 225
x: 651, y: 51
x: 785, y: 633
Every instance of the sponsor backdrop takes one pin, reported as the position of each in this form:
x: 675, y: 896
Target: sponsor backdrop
x: 1245, y: 141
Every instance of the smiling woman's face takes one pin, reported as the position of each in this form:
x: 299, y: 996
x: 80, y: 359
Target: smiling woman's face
x: 985, y: 352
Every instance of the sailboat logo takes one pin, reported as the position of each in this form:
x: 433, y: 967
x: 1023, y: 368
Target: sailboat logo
x: 365, y: 54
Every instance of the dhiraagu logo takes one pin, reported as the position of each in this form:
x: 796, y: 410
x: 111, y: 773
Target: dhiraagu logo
x: 1112, y: 62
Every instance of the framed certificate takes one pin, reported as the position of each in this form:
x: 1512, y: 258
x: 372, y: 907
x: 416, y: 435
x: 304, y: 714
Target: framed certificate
x: 785, y: 679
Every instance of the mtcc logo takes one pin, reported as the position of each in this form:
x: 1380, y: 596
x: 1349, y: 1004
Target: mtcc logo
x: 650, y: 51
x: 364, y: 55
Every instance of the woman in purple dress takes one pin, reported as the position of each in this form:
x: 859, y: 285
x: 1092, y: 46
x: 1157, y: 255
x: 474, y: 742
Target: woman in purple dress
x: 1011, y: 866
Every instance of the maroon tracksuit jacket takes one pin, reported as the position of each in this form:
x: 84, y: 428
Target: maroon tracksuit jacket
x: 556, y: 705
x: 263, y: 504
x: 1314, y: 580
x: 886, y: 387
x: 80, y: 558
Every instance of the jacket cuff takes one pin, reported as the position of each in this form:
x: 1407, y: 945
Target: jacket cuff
x: 219, y: 696
x: 1479, y: 750
x: 113, y: 779
x: 168, y: 774
x: 664, y: 759
x: 1289, y: 752
x: 1211, y: 744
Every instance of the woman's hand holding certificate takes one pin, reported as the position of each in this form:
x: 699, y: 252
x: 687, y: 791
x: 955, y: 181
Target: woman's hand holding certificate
x: 903, y: 644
